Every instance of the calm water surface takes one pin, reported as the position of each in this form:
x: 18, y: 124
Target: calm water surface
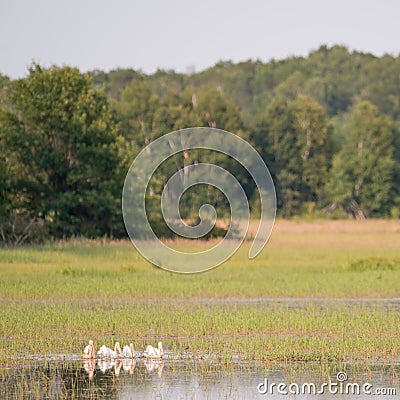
x: 189, y: 379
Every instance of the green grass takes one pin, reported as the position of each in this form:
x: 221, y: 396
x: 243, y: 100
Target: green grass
x: 56, y: 297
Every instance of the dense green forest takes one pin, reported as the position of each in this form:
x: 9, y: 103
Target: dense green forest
x: 327, y: 126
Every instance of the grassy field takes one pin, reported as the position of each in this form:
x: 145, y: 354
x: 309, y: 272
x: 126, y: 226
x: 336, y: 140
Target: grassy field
x: 282, y: 306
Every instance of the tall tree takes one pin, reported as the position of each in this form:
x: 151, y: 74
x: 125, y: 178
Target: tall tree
x: 293, y: 138
x: 61, y: 152
x: 362, y: 176
x: 137, y: 108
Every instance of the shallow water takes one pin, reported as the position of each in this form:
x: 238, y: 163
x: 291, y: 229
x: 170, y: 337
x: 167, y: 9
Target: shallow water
x: 298, y: 302
x: 190, y: 379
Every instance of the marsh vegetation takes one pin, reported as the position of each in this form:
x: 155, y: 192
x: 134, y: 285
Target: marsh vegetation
x: 316, y: 293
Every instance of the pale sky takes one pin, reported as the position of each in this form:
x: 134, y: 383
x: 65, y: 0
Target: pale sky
x: 185, y: 34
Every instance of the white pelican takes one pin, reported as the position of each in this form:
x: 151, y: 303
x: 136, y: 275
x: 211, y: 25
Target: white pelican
x: 106, y: 352
x: 89, y: 351
x: 129, y: 351
x: 154, y: 352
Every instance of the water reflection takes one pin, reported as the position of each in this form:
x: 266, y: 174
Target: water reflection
x: 89, y: 366
x: 126, y: 365
x: 129, y: 365
x: 172, y: 379
x: 154, y: 365
x: 104, y: 365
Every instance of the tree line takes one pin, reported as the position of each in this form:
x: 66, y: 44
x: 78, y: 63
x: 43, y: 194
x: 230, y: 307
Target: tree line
x: 327, y: 126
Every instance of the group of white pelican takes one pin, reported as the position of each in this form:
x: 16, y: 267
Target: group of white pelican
x: 105, y: 352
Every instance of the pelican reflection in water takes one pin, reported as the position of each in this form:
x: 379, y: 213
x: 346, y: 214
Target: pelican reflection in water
x: 152, y: 364
x: 129, y: 364
x: 126, y: 364
x: 117, y: 367
x: 105, y: 364
x: 89, y: 366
